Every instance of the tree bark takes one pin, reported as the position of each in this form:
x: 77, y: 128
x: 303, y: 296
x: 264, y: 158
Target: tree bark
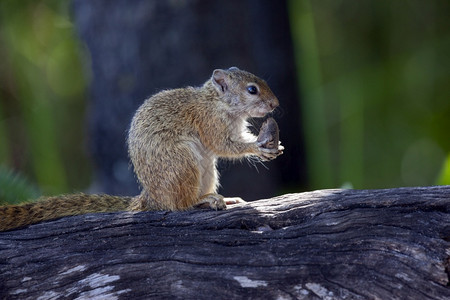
x: 328, y: 244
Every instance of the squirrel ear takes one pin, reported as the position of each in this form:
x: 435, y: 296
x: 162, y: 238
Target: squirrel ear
x: 219, y: 79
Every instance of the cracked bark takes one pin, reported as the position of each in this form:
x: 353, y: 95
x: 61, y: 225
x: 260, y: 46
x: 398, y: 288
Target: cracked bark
x: 329, y: 244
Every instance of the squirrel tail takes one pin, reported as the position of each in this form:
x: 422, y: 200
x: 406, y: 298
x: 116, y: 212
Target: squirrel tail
x: 48, y: 208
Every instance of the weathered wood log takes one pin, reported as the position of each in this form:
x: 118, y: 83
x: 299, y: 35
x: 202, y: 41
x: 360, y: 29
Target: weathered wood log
x: 329, y: 244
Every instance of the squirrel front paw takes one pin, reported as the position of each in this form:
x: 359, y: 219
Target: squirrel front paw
x: 266, y: 154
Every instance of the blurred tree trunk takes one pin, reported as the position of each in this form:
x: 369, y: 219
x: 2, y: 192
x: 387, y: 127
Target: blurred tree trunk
x: 138, y: 48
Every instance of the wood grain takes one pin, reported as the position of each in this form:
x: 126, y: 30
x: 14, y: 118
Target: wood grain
x: 328, y: 244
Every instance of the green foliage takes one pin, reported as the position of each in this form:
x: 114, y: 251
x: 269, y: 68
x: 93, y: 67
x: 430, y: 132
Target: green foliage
x: 444, y: 177
x: 42, y: 104
x: 374, y: 79
x: 14, y: 188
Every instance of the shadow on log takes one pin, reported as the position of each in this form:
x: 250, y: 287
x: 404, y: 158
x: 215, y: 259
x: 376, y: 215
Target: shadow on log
x: 329, y: 244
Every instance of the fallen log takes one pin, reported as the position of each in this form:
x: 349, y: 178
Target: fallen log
x: 328, y: 244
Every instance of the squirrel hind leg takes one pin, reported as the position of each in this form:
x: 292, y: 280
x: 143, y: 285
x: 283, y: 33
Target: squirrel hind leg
x: 212, y: 201
x: 176, y: 188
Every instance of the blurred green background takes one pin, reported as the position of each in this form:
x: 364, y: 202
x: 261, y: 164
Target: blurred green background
x: 42, y: 99
x: 374, y: 79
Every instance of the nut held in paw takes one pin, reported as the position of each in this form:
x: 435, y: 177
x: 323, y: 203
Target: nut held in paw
x: 269, y: 134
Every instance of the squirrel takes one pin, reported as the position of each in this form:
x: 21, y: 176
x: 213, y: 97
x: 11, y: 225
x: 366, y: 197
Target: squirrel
x: 174, y: 141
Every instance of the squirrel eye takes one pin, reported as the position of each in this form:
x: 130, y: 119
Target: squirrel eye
x: 252, y: 89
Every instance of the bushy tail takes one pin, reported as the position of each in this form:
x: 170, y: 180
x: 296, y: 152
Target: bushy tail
x: 48, y: 208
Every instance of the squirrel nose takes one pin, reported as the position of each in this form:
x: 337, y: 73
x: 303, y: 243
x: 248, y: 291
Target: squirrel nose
x: 273, y: 104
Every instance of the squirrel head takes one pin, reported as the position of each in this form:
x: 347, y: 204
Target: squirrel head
x: 246, y: 94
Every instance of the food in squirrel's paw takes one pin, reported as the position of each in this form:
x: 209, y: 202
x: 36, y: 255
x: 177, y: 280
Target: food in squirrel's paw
x: 269, y: 134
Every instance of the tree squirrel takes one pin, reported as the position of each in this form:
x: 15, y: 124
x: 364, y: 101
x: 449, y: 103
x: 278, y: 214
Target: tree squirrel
x: 174, y: 141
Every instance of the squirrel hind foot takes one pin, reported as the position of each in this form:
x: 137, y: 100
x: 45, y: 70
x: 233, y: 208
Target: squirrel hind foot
x: 212, y: 201
x: 234, y: 200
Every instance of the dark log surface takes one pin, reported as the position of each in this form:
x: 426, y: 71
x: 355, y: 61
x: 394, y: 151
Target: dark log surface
x: 329, y: 244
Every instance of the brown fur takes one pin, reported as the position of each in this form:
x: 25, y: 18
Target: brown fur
x: 47, y: 208
x: 174, y: 141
